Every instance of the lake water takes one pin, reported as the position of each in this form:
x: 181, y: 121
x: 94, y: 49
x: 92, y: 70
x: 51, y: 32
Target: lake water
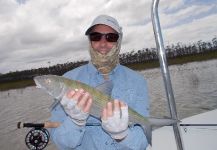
x: 194, y: 86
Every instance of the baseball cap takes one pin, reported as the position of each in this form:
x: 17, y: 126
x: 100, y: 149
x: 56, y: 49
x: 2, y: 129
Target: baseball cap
x: 106, y: 20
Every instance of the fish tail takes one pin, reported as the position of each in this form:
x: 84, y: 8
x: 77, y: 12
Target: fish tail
x: 156, y: 122
x: 160, y: 122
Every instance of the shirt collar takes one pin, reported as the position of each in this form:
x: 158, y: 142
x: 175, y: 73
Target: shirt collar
x: 92, y: 69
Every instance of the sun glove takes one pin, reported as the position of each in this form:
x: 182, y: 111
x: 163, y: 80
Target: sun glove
x: 117, y: 125
x: 76, y: 114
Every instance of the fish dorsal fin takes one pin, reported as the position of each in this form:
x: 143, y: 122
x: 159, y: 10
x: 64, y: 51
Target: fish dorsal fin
x: 106, y: 87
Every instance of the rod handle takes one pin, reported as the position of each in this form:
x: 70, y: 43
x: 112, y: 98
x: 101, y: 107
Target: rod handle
x: 47, y: 124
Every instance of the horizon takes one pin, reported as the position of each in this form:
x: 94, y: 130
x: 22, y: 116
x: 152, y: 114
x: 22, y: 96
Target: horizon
x: 132, y: 53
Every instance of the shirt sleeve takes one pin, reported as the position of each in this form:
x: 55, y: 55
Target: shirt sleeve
x: 141, y: 99
x: 136, y: 138
x: 135, y: 93
x: 68, y: 135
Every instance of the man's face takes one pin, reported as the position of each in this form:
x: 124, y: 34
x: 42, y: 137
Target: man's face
x: 103, y: 46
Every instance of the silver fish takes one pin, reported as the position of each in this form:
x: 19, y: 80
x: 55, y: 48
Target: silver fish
x: 57, y: 86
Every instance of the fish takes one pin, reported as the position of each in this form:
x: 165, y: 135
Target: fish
x: 57, y: 86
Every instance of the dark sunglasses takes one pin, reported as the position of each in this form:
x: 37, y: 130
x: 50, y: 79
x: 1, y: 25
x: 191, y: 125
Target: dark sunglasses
x: 110, y: 37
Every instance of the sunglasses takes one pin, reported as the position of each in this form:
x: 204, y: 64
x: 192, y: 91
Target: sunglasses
x: 110, y: 37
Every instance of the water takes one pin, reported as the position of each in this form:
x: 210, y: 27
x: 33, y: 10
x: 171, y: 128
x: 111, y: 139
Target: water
x: 194, y: 86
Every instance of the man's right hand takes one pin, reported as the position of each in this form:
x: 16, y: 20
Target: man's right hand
x: 77, y: 104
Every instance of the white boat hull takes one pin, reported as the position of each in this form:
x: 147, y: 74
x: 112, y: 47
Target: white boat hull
x: 194, y: 137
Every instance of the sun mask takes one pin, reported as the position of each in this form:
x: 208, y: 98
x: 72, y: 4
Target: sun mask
x: 105, y: 63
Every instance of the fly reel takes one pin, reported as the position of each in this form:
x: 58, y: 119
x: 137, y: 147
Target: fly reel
x: 37, y: 138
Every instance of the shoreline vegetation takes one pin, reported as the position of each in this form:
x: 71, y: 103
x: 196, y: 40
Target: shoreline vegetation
x: 140, y: 60
x: 174, y: 61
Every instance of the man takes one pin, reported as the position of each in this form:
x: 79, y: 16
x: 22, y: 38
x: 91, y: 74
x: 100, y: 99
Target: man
x: 78, y: 129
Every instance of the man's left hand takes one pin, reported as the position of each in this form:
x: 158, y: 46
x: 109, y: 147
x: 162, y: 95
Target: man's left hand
x: 115, y: 119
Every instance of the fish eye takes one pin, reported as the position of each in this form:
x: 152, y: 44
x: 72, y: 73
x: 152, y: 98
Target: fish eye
x: 48, y: 81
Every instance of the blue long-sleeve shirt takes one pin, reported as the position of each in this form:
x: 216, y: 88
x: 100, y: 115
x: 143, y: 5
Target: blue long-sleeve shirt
x: 129, y: 87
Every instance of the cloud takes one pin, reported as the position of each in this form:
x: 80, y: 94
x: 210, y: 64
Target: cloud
x: 196, y: 30
x: 35, y: 32
x: 186, y: 15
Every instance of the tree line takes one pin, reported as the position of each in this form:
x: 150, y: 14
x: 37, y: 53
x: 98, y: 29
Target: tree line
x: 139, y: 56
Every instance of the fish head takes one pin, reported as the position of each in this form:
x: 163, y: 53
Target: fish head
x: 50, y: 84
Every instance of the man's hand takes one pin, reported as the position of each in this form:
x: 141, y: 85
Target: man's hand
x: 115, y: 119
x: 77, y: 104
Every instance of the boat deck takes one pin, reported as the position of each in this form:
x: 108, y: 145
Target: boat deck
x: 194, y: 137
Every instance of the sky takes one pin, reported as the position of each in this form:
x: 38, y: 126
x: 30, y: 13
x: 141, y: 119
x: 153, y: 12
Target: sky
x: 42, y: 33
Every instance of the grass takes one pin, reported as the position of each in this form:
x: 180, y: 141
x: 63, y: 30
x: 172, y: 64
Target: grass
x: 16, y: 84
x: 136, y: 66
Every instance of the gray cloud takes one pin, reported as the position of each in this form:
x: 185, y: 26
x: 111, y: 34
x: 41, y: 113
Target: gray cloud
x: 33, y: 33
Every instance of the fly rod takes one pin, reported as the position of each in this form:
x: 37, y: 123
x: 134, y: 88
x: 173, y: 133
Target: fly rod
x: 57, y: 124
x: 38, y: 137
